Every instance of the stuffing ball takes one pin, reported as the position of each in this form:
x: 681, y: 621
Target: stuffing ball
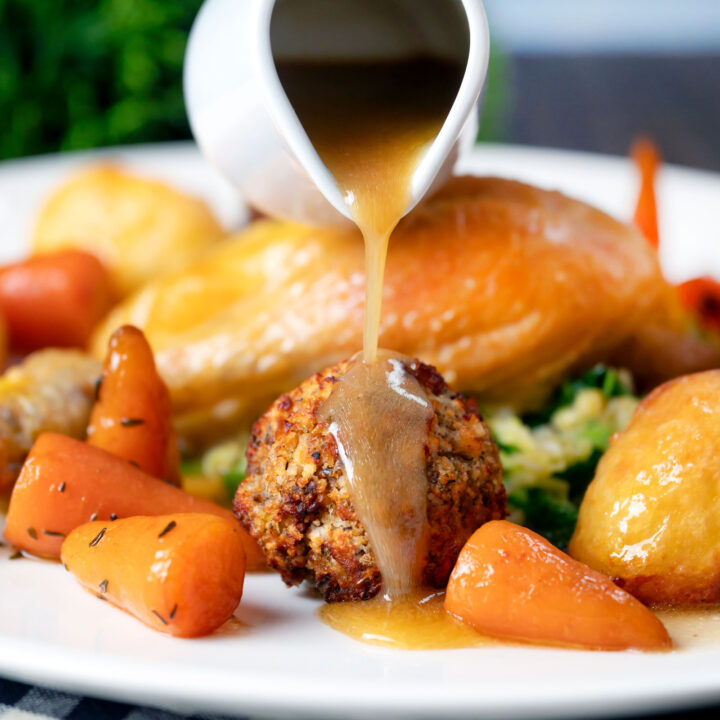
x: 296, y: 499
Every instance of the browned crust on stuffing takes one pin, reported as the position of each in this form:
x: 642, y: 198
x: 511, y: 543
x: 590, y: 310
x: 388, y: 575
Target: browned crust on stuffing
x: 295, y: 500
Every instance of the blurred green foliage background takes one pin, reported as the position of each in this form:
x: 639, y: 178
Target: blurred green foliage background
x: 81, y: 73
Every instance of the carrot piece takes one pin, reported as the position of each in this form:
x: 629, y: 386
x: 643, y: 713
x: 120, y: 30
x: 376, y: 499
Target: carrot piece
x: 54, y: 300
x: 66, y: 483
x: 647, y: 159
x: 180, y: 574
x: 3, y: 350
x: 702, y: 297
x: 132, y: 417
x: 512, y: 583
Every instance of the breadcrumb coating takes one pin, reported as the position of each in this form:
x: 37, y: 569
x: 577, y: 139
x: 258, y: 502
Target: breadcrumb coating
x: 296, y: 499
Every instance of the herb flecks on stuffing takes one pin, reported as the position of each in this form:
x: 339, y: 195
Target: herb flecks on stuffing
x: 296, y: 500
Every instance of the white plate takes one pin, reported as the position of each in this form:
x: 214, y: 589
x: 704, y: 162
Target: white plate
x: 283, y: 661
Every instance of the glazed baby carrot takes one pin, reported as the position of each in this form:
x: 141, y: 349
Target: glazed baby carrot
x: 54, y: 300
x: 510, y: 582
x: 66, y: 483
x: 701, y: 296
x: 647, y: 159
x: 132, y: 417
x: 180, y: 574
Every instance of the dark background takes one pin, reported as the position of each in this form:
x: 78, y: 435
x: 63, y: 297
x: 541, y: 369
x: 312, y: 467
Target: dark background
x: 599, y: 102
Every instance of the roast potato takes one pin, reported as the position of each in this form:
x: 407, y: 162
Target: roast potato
x: 139, y: 228
x: 651, y: 516
x: 49, y: 391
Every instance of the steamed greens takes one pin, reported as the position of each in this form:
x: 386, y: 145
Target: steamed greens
x: 549, y: 457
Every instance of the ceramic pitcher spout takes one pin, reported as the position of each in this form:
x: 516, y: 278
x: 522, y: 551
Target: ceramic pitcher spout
x: 245, y: 124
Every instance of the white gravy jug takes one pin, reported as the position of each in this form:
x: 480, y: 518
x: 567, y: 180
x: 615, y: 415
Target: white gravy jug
x: 245, y: 124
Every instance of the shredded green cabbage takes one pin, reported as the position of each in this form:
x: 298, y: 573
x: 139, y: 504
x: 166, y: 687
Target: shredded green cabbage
x: 549, y: 457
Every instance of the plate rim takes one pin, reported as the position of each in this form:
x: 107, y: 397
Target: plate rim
x: 19, y: 657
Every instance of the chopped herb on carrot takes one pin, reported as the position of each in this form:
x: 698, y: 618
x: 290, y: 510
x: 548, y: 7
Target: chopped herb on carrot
x: 97, y: 538
x: 131, y: 422
x: 132, y: 417
x: 167, y: 528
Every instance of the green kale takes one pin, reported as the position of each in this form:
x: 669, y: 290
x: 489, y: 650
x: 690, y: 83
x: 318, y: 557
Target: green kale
x: 603, y: 378
x: 504, y: 447
x: 549, y: 516
x: 232, y: 481
x: 191, y: 466
x: 579, y: 476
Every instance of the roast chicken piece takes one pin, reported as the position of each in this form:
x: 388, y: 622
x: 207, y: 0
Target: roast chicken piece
x: 504, y: 287
x: 650, y: 518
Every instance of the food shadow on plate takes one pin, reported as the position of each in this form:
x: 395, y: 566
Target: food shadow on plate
x: 251, y: 617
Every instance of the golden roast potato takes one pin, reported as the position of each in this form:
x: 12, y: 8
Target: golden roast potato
x: 651, y: 516
x: 49, y: 391
x: 504, y: 287
x: 139, y: 228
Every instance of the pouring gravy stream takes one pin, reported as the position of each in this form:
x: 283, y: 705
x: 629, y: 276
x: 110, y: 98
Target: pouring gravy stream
x: 370, y: 124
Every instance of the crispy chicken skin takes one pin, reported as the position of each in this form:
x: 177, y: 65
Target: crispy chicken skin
x: 296, y: 503
x: 665, y: 347
x: 504, y: 287
x: 50, y: 391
